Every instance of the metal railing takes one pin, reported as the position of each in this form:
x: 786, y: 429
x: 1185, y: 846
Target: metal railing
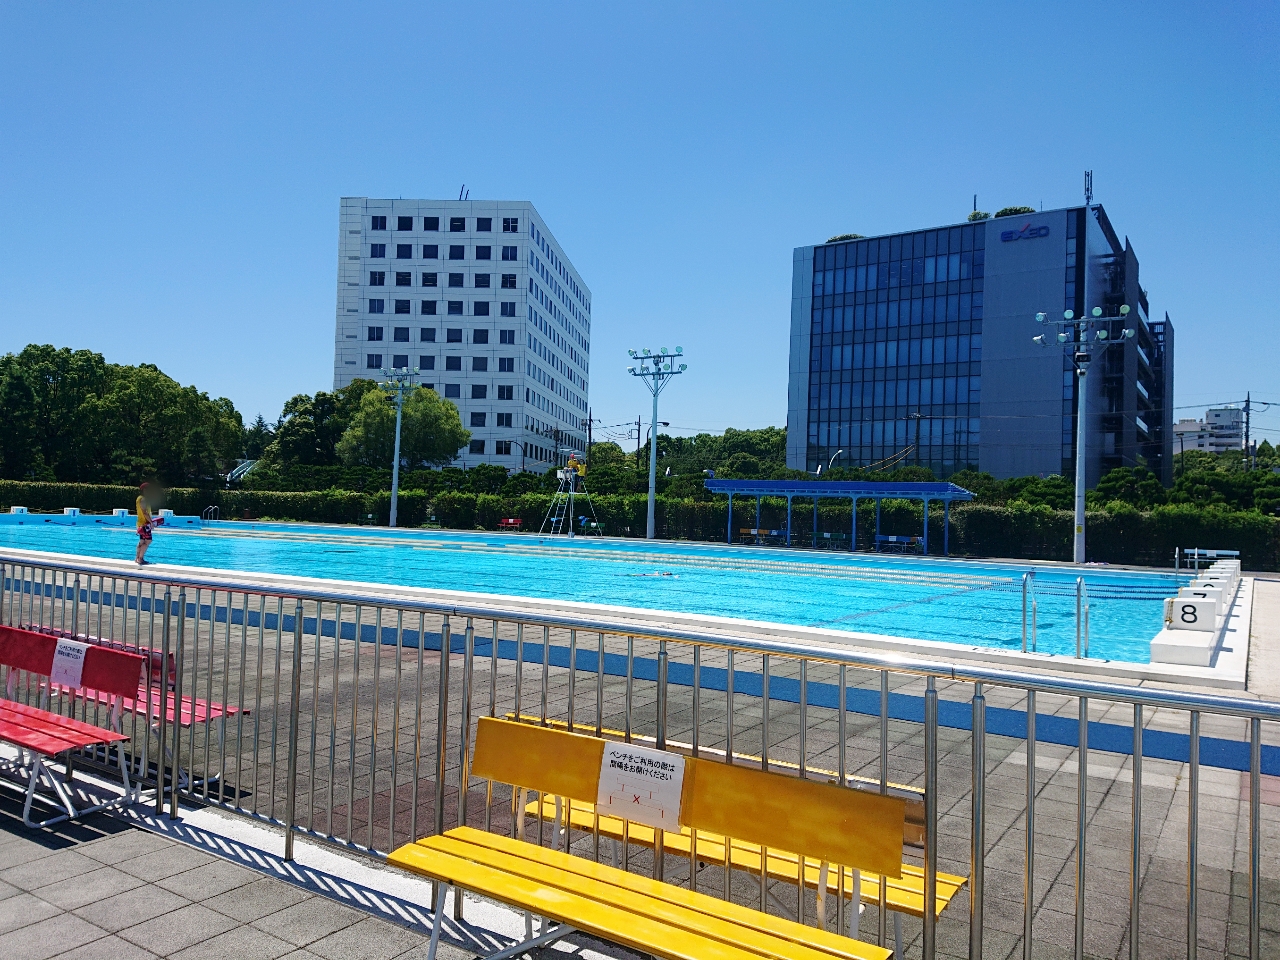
x: 351, y: 717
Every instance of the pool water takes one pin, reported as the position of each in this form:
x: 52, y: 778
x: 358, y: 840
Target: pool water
x: 977, y: 603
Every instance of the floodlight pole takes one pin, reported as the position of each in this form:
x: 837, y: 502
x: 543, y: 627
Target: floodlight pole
x: 665, y: 366
x: 398, y: 382
x: 1074, y: 335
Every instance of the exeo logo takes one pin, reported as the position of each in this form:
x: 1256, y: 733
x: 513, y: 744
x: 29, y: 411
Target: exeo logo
x: 1028, y: 232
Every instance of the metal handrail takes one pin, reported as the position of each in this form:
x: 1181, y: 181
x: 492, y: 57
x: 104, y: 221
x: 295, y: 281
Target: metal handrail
x: 908, y: 663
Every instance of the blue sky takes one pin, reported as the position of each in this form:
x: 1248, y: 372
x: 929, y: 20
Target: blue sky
x: 170, y: 174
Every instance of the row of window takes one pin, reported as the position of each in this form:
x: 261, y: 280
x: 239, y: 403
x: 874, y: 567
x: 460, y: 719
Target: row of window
x: 451, y: 335
x: 917, y: 271
x: 955, y: 308
x: 909, y: 394
x: 898, y: 433
x: 453, y: 308
x: 456, y: 224
x: 404, y: 278
x: 892, y: 353
x: 904, y: 246
x: 478, y: 364
x: 431, y: 251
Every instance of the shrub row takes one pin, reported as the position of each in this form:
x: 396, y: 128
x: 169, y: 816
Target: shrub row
x: 1017, y: 530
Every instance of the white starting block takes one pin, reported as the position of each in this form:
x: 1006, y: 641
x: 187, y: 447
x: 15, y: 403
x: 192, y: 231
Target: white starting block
x: 71, y: 511
x: 18, y: 510
x: 1204, y: 593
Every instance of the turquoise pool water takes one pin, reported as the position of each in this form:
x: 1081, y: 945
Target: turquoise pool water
x: 955, y: 601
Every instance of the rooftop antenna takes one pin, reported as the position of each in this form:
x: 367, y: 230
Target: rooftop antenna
x: 468, y: 196
x: 1088, y: 188
x: 975, y: 203
x: 460, y: 189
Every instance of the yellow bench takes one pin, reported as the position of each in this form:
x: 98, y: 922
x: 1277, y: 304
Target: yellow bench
x: 903, y: 895
x: 820, y: 821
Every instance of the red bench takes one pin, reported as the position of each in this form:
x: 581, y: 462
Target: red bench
x: 510, y: 523
x: 43, y: 735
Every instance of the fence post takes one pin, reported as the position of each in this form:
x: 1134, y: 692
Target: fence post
x: 175, y: 770
x: 291, y: 789
x: 978, y: 838
x: 930, y: 819
x: 164, y: 697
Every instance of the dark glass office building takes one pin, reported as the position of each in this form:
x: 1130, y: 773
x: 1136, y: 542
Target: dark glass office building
x: 917, y: 348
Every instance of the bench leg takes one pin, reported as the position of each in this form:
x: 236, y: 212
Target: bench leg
x: 897, y: 934
x: 437, y: 919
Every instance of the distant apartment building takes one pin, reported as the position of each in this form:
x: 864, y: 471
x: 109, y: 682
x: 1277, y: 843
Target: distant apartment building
x: 1222, y: 429
x: 481, y: 298
x: 917, y: 347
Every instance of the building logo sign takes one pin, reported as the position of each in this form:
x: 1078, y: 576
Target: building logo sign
x: 1026, y: 233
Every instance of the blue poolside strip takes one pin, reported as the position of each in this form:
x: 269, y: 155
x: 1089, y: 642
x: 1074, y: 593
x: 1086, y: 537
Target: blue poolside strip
x: 1105, y: 737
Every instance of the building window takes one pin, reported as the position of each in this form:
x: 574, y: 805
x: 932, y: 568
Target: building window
x: 479, y: 336
x: 379, y: 223
x: 457, y: 252
x: 506, y: 393
x: 453, y: 363
x: 427, y: 363
x: 455, y: 279
x: 427, y: 335
x: 377, y: 306
x: 508, y: 281
x: 402, y: 306
x: 477, y: 446
x: 480, y: 308
x: 453, y: 335
x: 404, y: 278
x: 404, y: 251
x: 400, y: 334
x: 506, y: 336
x: 375, y: 333
x: 430, y: 223
x: 429, y: 308
x: 509, y: 253
x: 508, y: 309
x: 506, y: 365
x: 453, y: 391
x: 430, y: 279
x: 377, y: 278
x: 482, y: 279
x: 502, y: 448
x: 457, y: 224
x: 477, y: 419
x: 373, y: 361
x: 377, y: 251
x: 480, y: 364
x: 430, y: 251
x: 455, y: 308
x: 510, y: 224
x: 484, y: 224
x: 400, y: 361
x: 503, y: 419
x: 404, y: 223
x: 479, y: 391
x: 484, y: 253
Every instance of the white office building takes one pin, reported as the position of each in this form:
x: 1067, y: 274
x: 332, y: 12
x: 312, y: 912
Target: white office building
x: 480, y: 297
x: 1222, y: 429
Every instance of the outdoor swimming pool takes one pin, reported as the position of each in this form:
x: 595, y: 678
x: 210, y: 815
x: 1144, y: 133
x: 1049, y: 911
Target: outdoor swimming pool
x: 974, y: 603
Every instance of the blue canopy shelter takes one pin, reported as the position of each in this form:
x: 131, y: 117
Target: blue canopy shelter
x: 854, y: 490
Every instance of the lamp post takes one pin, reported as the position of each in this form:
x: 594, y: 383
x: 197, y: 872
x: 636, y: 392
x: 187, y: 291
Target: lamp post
x: 399, y: 383
x: 1080, y: 337
x: 664, y: 366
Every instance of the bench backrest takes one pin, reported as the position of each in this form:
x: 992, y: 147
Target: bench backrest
x: 159, y: 674
x: 114, y: 672
x: 811, y: 818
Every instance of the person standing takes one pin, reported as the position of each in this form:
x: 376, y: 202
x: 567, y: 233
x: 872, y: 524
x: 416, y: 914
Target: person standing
x: 145, y: 524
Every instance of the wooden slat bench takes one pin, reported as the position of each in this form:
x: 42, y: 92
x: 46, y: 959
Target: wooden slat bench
x: 822, y: 821
x: 903, y: 895
x: 43, y: 735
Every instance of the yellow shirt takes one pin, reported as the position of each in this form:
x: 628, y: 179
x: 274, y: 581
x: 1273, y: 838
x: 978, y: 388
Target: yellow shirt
x: 143, y: 511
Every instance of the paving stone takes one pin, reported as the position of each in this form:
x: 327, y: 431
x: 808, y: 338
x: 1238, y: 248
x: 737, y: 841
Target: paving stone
x: 49, y: 938
x: 6, y: 891
x: 125, y: 846
x: 166, y: 862
x: 242, y: 943
x: 24, y: 909
x: 208, y: 880
x: 100, y: 884
x: 131, y: 907
x: 109, y: 948
x: 308, y: 921
x: 178, y: 930
x: 370, y: 939
x: 35, y: 874
x: 257, y: 899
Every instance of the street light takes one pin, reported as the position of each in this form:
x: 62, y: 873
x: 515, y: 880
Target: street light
x: 665, y: 365
x: 398, y: 383
x: 833, y: 459
x: 1080, y: 338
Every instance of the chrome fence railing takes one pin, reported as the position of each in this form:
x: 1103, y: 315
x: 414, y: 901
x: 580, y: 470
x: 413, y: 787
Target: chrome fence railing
x: 348, y: 717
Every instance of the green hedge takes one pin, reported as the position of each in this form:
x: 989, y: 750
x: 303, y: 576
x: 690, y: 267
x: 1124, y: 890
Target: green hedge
x: 1017, y: 530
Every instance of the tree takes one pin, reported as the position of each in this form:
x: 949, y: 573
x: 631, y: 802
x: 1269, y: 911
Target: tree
x: 979, y: 215
x: 257, y: 438
x: 311, y: 426
x: 844, y: 236
x: 1014, y: 211
x: 1136, y: 486
x: 431, y: 433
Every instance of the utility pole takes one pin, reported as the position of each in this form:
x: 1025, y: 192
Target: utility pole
x: 665, y: 366
x: 398, y: 383
x: 1248, y: 462
x: 638, y: 442
x: 588, y: 436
